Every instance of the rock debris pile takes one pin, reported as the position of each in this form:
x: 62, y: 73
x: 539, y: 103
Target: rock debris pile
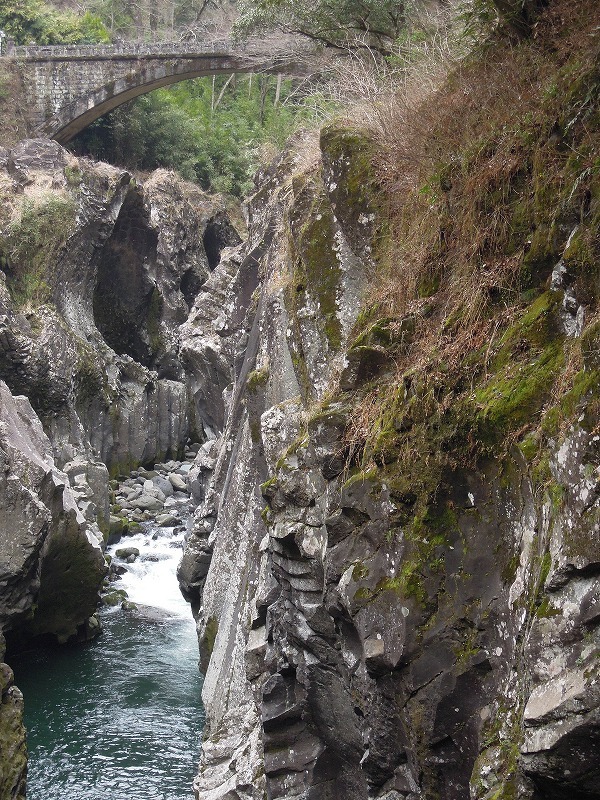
x: 152, y: 494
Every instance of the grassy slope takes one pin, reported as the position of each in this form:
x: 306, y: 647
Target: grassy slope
x: 485, y: 182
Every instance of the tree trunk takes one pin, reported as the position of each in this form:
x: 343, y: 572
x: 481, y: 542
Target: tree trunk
x: 278, y: 89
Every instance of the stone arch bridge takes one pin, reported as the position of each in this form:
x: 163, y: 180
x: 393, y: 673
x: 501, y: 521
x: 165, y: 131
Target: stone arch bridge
x: 68, y: 87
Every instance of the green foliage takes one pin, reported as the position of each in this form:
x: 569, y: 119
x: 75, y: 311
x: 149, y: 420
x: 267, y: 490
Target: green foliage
x: 212, y: 133
x: 338, y: 23
x: 29, y: 246
x: 145, y: 20
x: 36, y: 21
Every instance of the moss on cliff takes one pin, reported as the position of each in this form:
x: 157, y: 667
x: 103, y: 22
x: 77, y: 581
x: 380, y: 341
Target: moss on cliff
x: 317, y: 272
x: 502, y: 196
x: 31, y: 244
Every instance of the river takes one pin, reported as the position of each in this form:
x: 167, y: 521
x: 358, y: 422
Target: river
x: 121, y: 717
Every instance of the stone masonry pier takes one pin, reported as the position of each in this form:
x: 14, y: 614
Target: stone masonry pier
x: 68, y: 87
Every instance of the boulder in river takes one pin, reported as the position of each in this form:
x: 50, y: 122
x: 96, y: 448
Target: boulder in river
x: 177, y: 482
x: 127, y: 552
x: 163, y: 484
x: 167, y: 520
x: 147, y: 502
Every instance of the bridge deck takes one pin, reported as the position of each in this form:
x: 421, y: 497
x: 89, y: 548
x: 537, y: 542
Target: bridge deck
x: 136, y: 50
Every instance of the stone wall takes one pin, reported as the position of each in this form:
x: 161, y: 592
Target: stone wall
x: 69, y: 87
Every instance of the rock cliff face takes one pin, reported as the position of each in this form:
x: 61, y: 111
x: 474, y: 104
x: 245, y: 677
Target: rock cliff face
x: 358, y: 641
x: 410, y: 627
x: 97, y: 276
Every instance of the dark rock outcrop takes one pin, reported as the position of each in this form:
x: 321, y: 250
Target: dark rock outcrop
x: 51, y: 561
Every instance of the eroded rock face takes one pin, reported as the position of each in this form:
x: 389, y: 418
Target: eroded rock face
x: 52, y: 563
x: 90, y: 314
x: 276, y: 356
x: 350, y: 652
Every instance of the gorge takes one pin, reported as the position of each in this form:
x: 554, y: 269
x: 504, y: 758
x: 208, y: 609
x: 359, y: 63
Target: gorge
x: 388, y: 373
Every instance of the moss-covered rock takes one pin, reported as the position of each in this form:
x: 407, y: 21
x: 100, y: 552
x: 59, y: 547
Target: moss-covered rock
x: 351, y: 181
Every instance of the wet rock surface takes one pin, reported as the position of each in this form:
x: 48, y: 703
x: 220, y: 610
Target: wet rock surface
x: 159, y: 494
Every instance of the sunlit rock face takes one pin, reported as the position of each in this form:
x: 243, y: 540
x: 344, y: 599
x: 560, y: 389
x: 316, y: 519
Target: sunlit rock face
x: 349, y: 652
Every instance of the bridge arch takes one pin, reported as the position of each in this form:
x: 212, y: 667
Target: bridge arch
x: 68, y: 87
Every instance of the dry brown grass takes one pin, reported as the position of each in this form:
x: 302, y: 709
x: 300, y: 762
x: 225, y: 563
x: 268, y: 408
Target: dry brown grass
x: 456, y: 162
x: 449, y: 214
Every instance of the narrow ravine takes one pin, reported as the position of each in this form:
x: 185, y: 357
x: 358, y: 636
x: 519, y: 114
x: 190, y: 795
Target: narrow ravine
x: 121, y: 717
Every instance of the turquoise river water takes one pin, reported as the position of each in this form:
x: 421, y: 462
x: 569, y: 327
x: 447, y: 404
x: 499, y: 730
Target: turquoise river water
x: 120, y: 718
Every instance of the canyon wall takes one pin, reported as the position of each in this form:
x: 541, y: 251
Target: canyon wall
x: 98, y: 274
x: 363, y: 634
x: 394, y: 561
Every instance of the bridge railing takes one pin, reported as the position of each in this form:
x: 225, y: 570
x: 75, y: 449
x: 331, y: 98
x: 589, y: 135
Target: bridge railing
x: 163, y: 49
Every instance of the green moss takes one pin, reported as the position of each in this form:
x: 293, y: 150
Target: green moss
x: 544, y: 609
x: 121, y: 469
x: 297, y: 444
x: 360, y: 571
x: 255, y: 430
x: 210, y: 635
x: 468, y: 648
x: 364, y: 476
x: 408, y: 583
x: 350, y: 152
x: 582, y: 395
x: 509, y: 571
x: 256, y: 379
x: 31, y: 245
x: 268, y: 486
x: 515, y: 394
x: 90, y: 379
x: 114, y: 597
x: 534, y: 327
x: 73, y: 176
x: 153, y: 323
x: 529, y: 447
x: 317, y: 274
